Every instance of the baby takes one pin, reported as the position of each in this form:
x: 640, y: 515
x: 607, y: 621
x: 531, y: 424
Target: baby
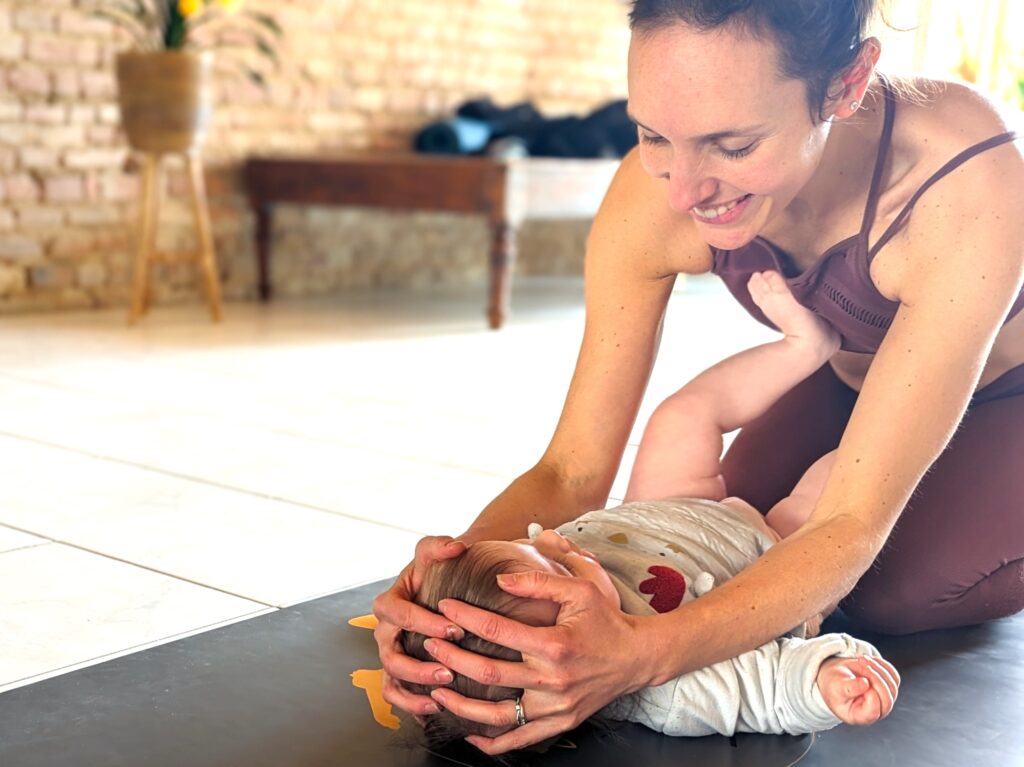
x: 677, y: 535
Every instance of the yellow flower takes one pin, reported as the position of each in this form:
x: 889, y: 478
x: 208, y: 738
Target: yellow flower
x: 230, y: 6
x: 189, y: 8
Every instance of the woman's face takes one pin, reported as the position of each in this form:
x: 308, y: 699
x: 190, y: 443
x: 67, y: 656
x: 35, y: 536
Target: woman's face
x: 733, y: 140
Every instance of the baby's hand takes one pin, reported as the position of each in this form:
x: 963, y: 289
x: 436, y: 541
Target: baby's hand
x: 858, y: 690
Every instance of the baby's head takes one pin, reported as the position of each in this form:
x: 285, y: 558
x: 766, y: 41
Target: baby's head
x: 472, y: 578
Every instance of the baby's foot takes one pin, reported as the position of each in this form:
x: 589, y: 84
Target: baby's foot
x: 772, y: 296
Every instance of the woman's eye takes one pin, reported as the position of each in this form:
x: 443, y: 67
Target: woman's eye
x: 735, y: 154
x: 648, y: 139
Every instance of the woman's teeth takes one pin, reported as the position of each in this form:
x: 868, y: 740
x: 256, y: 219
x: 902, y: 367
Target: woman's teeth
x: 720, y: 210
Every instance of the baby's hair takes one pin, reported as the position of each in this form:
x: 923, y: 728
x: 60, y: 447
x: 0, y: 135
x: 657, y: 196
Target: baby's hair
x: 470, y: 578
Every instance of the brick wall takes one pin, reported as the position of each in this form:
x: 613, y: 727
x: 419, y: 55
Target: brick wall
x: 353, y: 74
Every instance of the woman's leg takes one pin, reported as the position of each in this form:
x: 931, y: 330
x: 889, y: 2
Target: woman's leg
x: 956, y: 555
x: 769, y: 455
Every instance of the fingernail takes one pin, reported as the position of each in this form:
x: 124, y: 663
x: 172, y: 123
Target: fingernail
x: 507, y: 579
x: 453, y: 633
x: 443, y: 676
x: 431, y: 708
x: 453, y: 544
x: 438, y: 696
x: 429, y: 646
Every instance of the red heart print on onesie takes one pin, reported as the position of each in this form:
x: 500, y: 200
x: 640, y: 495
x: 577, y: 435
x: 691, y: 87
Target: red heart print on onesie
x: 668, y: 587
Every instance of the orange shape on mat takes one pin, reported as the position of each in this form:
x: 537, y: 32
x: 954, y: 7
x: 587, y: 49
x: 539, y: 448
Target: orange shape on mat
x: 364, y: 622
x: 372, y: 681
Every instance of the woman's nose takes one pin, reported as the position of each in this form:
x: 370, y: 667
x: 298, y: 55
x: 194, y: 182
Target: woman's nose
x: 688, y: 186
x: 688, y: 181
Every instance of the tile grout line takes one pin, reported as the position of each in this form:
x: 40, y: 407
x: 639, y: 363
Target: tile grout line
x: 202, y: 481
x: 68, y: 668
x: 27, y: 545
x: 314, y: 440
x: 98, y: 553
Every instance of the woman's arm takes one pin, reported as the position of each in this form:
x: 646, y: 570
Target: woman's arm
x: 965, y: 267
x: 635, y: 249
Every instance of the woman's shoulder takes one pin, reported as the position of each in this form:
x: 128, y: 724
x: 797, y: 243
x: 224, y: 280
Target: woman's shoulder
x: 938, y: 119
x: 636, y: 214
x: 936, y: 123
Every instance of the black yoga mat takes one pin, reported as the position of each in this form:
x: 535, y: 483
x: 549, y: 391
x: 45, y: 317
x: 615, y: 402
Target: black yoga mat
x: 276, y: 691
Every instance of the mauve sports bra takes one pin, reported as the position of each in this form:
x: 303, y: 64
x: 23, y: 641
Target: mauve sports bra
x: 838, y: 286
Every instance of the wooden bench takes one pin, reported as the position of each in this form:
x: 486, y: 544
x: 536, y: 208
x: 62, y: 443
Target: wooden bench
x: 507, y: 192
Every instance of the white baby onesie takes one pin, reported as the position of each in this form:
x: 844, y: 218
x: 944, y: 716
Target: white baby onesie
x: 660, y: 554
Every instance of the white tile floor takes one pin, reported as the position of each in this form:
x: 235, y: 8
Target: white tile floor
x: 162, y: 480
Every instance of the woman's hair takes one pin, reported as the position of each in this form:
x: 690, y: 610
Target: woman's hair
x: 470, y: 578
x: 816, y: 39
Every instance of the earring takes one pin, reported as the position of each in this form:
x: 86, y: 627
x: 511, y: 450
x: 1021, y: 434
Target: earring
x: 854, y: 105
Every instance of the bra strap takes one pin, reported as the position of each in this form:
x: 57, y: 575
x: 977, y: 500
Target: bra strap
x: 952, y: 165
x: 883, y: 151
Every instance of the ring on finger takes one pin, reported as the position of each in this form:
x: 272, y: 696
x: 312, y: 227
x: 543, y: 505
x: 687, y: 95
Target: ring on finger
x: 520, y: 714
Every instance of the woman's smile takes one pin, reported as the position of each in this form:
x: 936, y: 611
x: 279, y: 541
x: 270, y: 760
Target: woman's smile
x: 723, y: 213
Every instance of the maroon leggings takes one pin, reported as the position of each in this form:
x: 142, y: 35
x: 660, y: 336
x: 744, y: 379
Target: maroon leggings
x: 956, y: 555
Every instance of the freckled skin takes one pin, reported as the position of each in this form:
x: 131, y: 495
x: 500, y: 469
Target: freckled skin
x: 790, y: 146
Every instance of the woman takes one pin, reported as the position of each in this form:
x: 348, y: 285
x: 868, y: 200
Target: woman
x: 767, y: 142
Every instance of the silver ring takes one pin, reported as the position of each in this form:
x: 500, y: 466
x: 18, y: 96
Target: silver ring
x: 520, y: 714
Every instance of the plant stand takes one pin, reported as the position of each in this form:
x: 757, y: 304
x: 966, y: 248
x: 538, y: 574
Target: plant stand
x: 146, y: 253
x: 165, y: 101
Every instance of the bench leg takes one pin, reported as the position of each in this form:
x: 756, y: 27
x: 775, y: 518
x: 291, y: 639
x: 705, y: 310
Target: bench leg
x: 503, y: 256
x: 263, y: 222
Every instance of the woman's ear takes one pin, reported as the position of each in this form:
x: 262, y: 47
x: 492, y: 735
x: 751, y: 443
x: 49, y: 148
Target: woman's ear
x: 853, y: 83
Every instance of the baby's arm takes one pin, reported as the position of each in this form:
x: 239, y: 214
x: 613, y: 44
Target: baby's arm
x: 681, y: 448
x: 773, y: 689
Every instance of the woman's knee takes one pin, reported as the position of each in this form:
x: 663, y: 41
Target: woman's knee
x: 903, y: 606
x: 886, y: 608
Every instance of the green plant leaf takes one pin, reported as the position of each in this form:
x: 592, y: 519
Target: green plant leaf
x: 177, y: 30
x: 256, y: 77
x: 262, y: 46
x: 253, y: 74
x: 267, y: 50
x: 143, y: 37
x: 265, y: 20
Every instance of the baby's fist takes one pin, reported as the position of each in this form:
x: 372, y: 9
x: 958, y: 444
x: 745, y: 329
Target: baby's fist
x: 858, y: 690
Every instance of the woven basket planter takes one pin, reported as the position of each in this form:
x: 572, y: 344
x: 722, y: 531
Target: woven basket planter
x: 166, y: 99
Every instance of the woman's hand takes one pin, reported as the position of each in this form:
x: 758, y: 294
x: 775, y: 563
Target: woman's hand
x: 395, y: 611
x: 593, y: 654
x: 859, y: 690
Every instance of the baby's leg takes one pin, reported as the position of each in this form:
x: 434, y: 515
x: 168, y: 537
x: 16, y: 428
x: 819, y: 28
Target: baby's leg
x: 682, y: 444
x: 744, y: 386
x: 790, y: 514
